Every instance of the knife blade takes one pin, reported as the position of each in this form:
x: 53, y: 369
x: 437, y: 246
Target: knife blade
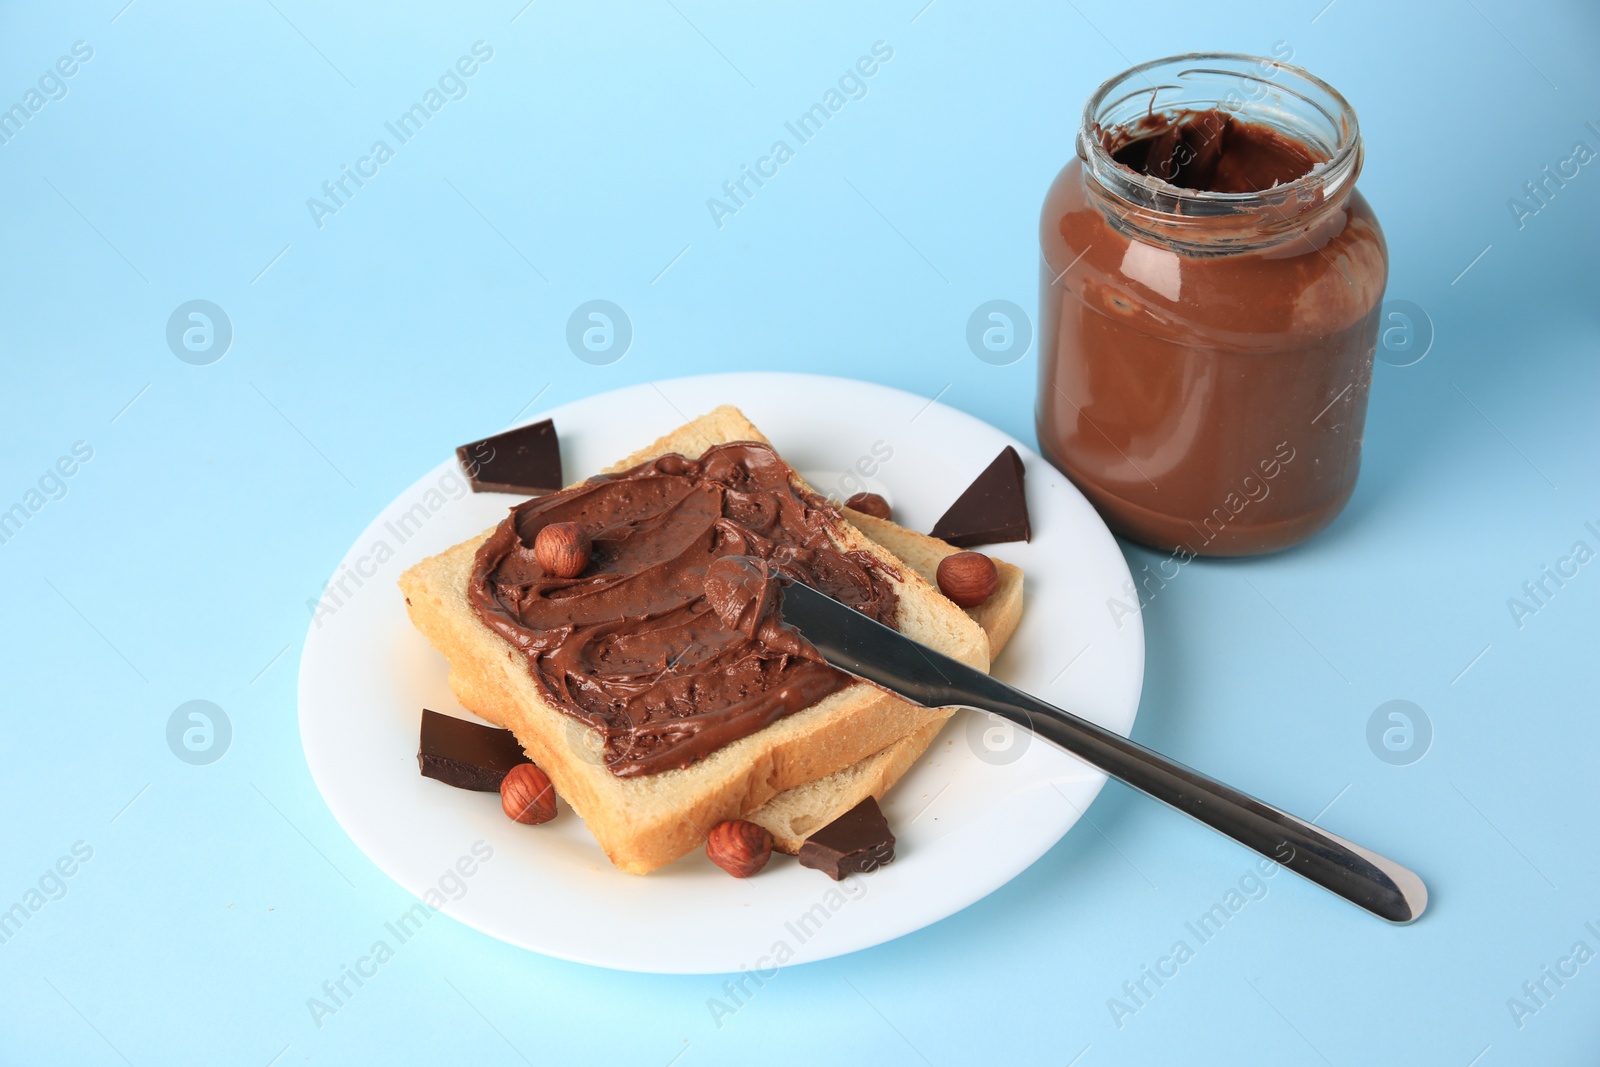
x: 883, y: 656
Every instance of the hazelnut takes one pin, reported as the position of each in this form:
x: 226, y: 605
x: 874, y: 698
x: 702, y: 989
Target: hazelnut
x: 562, y: 549
x: 869, y: 504
x: 527, y: 796
x: 741, y: 848
x: 968, y: 578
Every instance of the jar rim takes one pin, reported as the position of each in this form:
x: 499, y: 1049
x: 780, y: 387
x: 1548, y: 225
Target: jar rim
x: 1345, y: 154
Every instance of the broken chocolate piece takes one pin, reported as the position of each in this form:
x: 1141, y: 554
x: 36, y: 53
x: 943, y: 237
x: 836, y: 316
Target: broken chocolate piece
x: 525, y: 460
x: 993, y: 509
x: 857, y: 841
x: 466, y: 754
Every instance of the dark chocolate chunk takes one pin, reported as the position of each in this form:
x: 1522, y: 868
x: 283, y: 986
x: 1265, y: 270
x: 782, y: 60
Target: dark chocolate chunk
x: 993, y: 509
x: 857, y: 841
x: 525, y: 460
x: 466, y: 754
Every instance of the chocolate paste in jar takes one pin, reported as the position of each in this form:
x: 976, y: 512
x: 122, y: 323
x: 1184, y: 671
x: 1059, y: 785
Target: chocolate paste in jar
x: 1205, y: 360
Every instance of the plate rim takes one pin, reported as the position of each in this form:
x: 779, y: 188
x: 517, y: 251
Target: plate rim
x: 709, y: 384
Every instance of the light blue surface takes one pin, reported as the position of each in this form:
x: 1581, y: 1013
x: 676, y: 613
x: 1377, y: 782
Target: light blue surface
x: 432, y: 308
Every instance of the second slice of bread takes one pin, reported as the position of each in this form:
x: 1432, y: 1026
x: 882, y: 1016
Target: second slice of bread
x: 647, y: 821
x: 796, y: 813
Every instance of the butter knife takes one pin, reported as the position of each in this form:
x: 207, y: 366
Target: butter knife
x: 867, y: 649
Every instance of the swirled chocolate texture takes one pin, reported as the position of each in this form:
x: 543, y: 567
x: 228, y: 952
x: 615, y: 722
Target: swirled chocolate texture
x: 634, y: 646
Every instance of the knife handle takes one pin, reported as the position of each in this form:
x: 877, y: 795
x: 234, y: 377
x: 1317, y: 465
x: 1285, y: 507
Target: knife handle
x: 868, y: 649
x: 1366, y: 879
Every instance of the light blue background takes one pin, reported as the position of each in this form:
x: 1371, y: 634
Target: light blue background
x: 432, y: 308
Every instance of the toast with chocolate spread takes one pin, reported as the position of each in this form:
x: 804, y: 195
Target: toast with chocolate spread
x: 794, y: 814
x: 653, y: 720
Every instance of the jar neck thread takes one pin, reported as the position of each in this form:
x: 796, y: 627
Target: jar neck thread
x: 1209, y: 94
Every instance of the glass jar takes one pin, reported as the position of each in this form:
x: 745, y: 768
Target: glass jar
x: 1210, y: 290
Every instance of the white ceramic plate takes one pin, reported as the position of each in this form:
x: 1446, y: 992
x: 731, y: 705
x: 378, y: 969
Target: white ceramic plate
x: 982, y: 805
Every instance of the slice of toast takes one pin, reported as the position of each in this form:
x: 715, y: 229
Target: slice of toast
x: 647, y: 821
x: 796, y: 813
